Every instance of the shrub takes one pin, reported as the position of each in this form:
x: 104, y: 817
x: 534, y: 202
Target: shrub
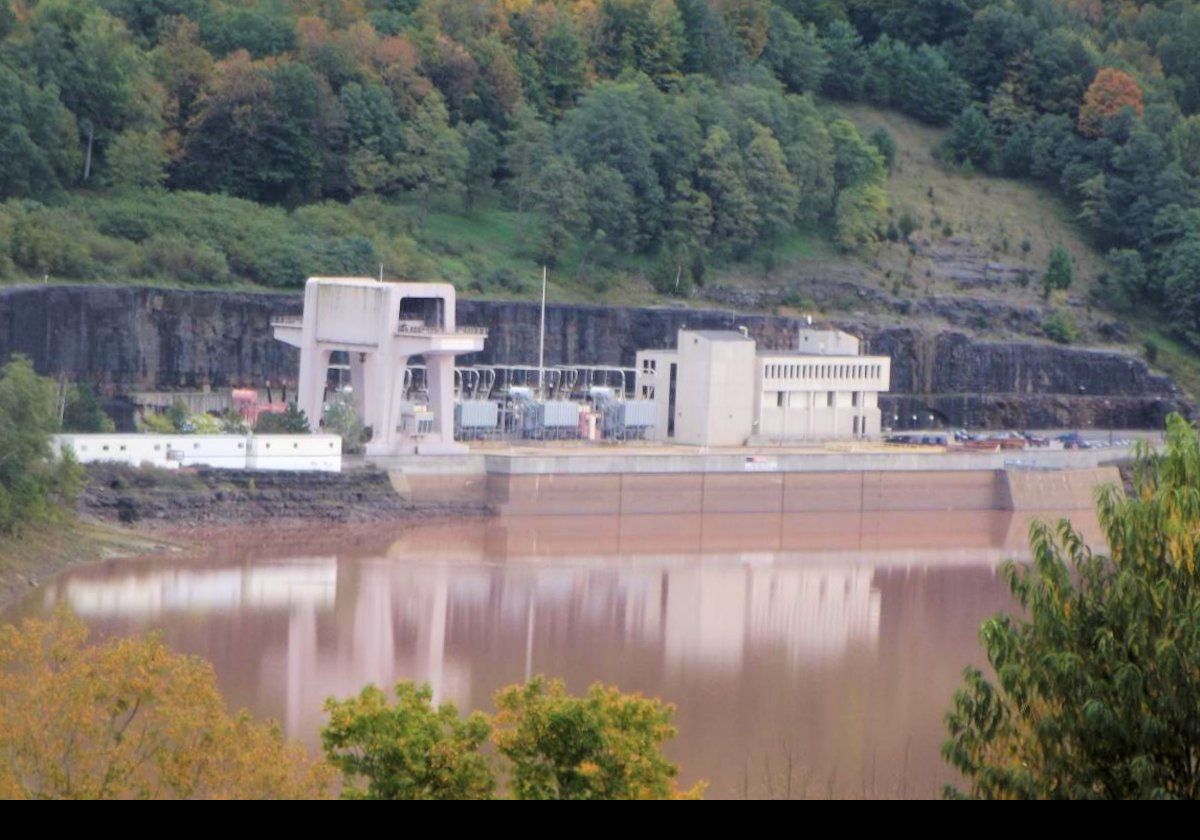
x: 1059, y: 328
x: 195, y: 263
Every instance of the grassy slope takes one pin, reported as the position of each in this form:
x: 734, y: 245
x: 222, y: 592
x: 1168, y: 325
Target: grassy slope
x: 998, y: 214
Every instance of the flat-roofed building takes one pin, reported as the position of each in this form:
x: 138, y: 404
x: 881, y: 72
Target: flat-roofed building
x: 717, y: 389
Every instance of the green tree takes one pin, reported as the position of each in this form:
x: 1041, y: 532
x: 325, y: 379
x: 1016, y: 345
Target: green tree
x: 559, y: 198
x: 1127, y: 283
x: 409, y: 749
x: 435, y: 158
x: 643, y: 35
x: 859, y: 214
x: 971, y: 139
x: 82, y: 412
x: 770, y: 183
x: 1095, y: 692
x: 794, y: 53
x: 97, y: 68
x: 32, y: 483
x: 137, y: 160
x: 527, y: 145
x: 1060, y: 271
x: 857, y: 162
x: 604, y: 745
x: 722, y: 176
x: 1059, y: 328
x: 847, y: 60
x: 483, y: 156
x: 1184, y: 143
x: 38, y: 141
x: 293, y: 421
x: 609, y: 205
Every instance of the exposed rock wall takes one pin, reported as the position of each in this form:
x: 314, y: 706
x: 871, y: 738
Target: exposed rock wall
x: 135, y: 337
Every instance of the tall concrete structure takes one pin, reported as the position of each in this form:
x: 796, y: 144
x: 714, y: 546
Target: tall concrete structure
x: 717, y: 389
x: 382, y: 328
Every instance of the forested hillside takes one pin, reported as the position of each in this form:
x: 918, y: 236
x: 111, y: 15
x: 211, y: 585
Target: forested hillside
x: 214, y: 141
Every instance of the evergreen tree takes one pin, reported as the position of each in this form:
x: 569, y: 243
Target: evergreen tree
x: 1060, y: 271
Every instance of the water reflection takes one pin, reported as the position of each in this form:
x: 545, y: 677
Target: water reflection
x: 834, y: 638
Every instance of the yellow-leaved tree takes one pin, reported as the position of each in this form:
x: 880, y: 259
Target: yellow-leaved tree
x: 129, y: 718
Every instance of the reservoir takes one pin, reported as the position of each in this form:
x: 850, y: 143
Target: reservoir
x: 809, y: 654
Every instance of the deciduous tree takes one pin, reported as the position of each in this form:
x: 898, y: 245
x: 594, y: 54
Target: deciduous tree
x: 409, y: 749
x: 129, y: 719
x: 603, y: 745
x: 1093, y: 691
x: 1111, y: 92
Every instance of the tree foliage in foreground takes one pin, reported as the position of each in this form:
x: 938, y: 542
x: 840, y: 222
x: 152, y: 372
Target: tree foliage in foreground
x: 550, y: 745
x: 603, y: 745
x: 130, y: 719
x: 1097, y: 693
x: 410, y: 750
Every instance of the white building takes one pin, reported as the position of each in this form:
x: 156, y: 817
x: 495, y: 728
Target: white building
x: 382, y: 326
x: 717, y: 389
x: 292, y: 453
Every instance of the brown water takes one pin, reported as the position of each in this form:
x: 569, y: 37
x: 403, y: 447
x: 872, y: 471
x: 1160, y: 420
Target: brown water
x: 830, y: 643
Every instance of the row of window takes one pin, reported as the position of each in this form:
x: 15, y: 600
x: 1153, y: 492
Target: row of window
x: 830, y: 398
x: 158, y: 446
x: 822, y: 371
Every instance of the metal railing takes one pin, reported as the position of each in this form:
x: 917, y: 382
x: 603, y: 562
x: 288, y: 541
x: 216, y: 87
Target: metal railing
x: 402, y: 329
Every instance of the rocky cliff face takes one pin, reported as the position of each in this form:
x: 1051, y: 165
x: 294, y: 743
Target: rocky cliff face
x: 139, y: 338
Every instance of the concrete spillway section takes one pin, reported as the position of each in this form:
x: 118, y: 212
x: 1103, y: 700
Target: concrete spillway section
x: 603, y: 484
x: 381, y: 326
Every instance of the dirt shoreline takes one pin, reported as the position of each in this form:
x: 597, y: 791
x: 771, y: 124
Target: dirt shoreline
x: 126, y: 512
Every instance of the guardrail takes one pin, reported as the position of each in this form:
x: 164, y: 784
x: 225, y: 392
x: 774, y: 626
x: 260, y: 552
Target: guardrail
x: 403, y: 329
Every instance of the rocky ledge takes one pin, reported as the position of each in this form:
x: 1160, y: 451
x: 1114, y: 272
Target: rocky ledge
x: 187, y: 498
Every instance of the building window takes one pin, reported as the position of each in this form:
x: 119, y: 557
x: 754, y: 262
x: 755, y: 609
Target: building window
x: 829, y: 399
x: 104, y: 448
x: 779, y: 399
x: 854, y: 399
x: 856, y: 425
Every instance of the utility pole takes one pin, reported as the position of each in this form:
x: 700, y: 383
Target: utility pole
x: 542, y: 338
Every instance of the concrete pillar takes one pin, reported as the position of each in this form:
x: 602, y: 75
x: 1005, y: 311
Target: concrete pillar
x: 440, y: 370
x: 310, y: 393
x: 358, y: 382
x: 370, y: 401
x: 394, y: 388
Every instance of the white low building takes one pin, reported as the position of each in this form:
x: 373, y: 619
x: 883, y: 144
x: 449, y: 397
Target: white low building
x: 293, y: 453
x: 717, y: 389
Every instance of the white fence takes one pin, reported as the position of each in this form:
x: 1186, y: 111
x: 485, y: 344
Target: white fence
x: 293, y: 453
